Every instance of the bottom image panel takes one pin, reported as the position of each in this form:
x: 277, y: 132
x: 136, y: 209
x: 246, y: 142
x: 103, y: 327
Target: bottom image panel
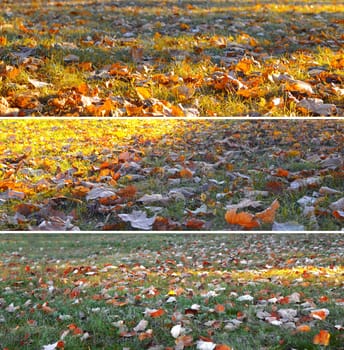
x: 171, y: 175
x: 173, y: 291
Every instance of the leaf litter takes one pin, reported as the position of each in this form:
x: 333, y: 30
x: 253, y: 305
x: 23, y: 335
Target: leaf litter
x: 167, y: 58
x: 100, y: 291
x: 177, y: 175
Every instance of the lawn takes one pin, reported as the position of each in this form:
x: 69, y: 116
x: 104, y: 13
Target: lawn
x: 139, y: 174
x: 171, y: 58
x: 170, y: 291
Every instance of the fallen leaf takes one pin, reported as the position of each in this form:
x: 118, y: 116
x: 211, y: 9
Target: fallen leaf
x: 143, y: 93
x: 303, y: 328
x: 176, y: 330
x: 205, y: 345
x: 268, y: 215
x: 316, y: 106
x: 138, y: 219
x: 141, y: 326
x: 298, y: 86
x: 220, y: 308
x: 243, y: 219
x: 195, y: 224
x: 320, y: 314
x: 222, y: 347
x: 39, y: 84
x: 322, y: 338
x: 185, y: 173
x: 157, y: 313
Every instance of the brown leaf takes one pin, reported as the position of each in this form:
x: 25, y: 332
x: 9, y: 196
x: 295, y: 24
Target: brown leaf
x: 195, y: 224
x: 127, y: 192
x: 26, y: 208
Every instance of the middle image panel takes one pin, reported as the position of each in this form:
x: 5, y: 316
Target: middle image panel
x: 171, y: 175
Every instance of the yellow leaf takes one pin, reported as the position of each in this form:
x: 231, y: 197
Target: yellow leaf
x: 143, y: 93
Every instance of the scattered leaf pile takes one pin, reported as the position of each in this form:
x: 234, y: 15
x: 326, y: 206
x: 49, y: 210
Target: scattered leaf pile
x: 168, y: 58
x: 172, y: 292
x: 177, y: 175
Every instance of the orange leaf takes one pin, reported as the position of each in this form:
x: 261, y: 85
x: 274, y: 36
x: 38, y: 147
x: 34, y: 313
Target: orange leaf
x: 243, y: 219
x: 268, y: 215
x: 3, y: 40
x: 157, y: 313
x: 244, y: 65
x: 322, y: 338
x: 284, y: 300
x: 303, y: 328
x: 195, y: 224
x: 184, y: 26
x: 282, y: 172
x: 319, y: 314
x: 185, y: 173
x: 134, y: 111
x: 222, y: 347
x: 323, y: 299
x: 127, y: 192
x: 80, y: 191
x: 85, y: 66
x: 220, y: 308
x: 338, y: 214
x: 145, y: 335
x: 82, y: 88
x: 60, y: 344
x: 177, y: 111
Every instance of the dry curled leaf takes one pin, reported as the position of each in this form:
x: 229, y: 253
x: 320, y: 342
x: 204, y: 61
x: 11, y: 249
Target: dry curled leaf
x: 268, y: 215
x: 243, y: 219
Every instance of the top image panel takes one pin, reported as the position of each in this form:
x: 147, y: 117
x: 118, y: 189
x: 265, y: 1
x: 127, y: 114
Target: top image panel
x: 171, y: 58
